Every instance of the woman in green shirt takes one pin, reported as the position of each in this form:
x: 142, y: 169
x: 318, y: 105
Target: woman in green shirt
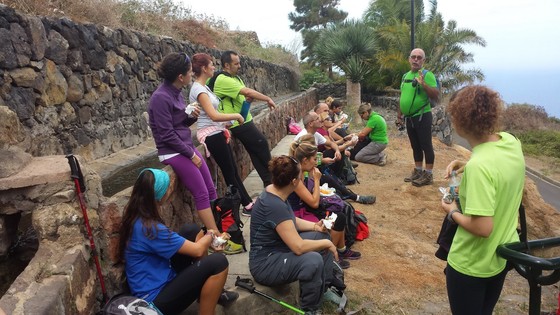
x: 490, y: 193
x: 372, y: 138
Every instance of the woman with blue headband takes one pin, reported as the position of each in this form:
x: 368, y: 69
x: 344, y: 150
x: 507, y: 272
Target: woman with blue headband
x: 170, y: 269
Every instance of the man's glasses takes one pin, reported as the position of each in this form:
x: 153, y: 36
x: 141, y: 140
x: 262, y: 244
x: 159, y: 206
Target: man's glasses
x: 415, y: 57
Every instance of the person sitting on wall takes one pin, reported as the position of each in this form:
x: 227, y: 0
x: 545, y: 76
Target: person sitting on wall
x: 170, y: 123
x: 285, y: 248
x: 307, y: 196
x: 170, y: 269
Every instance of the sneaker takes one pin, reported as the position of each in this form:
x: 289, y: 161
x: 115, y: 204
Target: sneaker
x: 247, y: 210
x: 415, y: 175
x: 366, y: 200
x: 383, y: 160
x: 344, y: 264
x: 232, y: 248
x: 349, y: 254
x: 227, y: 297
x: 425, y: 179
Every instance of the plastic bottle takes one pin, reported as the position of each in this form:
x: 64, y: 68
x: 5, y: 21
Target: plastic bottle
x: 245, y: 109
x: 453, y: 184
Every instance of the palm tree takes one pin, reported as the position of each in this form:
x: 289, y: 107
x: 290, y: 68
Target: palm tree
x: 351, y: 47
x: 443, y: 44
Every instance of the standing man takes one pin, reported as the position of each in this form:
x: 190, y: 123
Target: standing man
x: 418, y: 86
x: 234, y: 96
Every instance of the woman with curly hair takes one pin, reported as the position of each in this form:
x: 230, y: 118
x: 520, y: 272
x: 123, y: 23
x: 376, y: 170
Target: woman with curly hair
x: 490, y: 193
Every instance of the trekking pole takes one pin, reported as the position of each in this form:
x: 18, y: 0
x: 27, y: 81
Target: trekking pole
x: 78, y: 177
x: 247, y: 284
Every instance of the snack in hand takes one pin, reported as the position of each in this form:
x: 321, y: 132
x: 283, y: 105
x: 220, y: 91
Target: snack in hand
x: 218, y: 241
x: 328, y: 221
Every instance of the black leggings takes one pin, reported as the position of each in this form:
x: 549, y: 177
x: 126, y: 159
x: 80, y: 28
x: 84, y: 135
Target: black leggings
x: 185, y: 288
x: 335, y: 183
x: 257, y: 146
x: 471, y: 295
x: 419, y: 130
x: 221, y: 151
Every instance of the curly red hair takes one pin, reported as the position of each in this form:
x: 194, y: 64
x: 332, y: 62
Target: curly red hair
x: 476, y: 110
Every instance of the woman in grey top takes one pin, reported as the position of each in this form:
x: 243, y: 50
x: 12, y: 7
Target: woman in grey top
x: 212, y: 131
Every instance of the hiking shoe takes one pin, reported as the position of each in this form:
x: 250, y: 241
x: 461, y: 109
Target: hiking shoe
x: 232, y: 248
x: 344, y: 264
x: 227, y: 297
x: 424, y: 179
x: 383, y: 160
x: 355, y: 165
x: 349, y: 254
x: 415, y: 175
x: 366, y: 200
x: 247, y: 210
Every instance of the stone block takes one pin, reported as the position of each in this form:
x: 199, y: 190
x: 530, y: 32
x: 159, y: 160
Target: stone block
x: 41, y: 170
x: 13, y: 159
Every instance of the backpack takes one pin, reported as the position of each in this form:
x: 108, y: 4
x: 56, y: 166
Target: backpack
x: 124, y: 304
x: 292, y: 126
x: 226, y: 215
x: 362, y: 231
x: 347, y: 173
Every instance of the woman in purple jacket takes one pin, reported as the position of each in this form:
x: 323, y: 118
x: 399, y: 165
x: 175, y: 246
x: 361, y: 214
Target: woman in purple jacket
x: 170, y: 128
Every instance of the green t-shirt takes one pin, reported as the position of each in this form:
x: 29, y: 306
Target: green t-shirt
x: 492, y: 185
x: 379, y: 128
x: 227, y: 89
x: 408, y: 91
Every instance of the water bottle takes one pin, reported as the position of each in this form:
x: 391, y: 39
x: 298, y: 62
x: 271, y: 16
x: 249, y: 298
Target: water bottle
x: 245, y: 109
x: 453, y: 184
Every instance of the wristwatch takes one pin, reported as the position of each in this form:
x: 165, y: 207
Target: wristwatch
x: 450, y: 215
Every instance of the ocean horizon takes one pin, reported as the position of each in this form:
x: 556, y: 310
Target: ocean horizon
x: 535, y: 87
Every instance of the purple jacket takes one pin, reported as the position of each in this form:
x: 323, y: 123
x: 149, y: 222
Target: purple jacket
x: 169, y: 122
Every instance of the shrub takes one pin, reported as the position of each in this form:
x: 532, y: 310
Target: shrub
x: 313, y: 75
x: 541, y: 142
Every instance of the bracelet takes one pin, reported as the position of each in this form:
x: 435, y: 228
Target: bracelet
x: 450, y: 215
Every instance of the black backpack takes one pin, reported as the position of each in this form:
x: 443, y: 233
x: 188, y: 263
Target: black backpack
x: 125, y: 304
x: 346, y: 173
x: 226, y: 215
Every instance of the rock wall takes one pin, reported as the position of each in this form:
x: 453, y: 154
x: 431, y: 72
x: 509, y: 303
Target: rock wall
x: 82, y: 88
x: 61, y: 278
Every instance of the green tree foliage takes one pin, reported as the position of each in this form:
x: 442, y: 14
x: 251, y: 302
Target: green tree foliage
x: 350, y: 46
x: 312, y: 16
x: 443, y: 44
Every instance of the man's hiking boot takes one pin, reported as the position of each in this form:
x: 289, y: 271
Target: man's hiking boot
x: 344, y: 264
x: 349, y: 254
x: 232, y: 248
x: 416, y: 173
x: 227, y: 297
x: 424, y: 179
x: 366, y: 200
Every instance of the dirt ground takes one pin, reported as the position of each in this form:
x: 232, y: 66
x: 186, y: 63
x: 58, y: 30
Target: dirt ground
x: 398, y: 272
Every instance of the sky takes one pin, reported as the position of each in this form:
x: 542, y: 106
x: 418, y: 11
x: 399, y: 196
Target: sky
x: 522, y: 36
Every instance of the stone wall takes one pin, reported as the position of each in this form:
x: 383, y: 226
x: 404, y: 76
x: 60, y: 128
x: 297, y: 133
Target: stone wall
x: 82, y: 88
x: 61, y: 278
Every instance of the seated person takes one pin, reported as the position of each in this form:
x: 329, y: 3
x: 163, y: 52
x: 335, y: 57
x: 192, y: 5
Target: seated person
x: 372, y: 139
x: 284, y: 248
x: 339, y: 117
x: 307, y: 196
x: 170, y: 269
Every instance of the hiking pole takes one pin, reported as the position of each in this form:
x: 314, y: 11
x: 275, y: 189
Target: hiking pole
x: 247, y: 284
x: 78, y: 177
